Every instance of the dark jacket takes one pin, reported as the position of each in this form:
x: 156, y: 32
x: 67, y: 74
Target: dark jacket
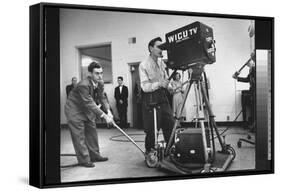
x: 121, y: 96
x: 68, y: 89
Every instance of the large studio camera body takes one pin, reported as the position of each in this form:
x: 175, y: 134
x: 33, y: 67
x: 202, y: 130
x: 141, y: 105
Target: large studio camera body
x: 190, y: 45
x: 190, y: 150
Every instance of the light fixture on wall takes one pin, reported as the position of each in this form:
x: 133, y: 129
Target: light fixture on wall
x: 132, y: 40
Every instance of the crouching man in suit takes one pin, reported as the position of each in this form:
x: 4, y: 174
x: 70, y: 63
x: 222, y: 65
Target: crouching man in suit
x: 85, y: 103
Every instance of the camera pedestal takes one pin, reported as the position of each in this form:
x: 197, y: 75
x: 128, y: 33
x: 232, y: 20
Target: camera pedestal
x: 213, y: 160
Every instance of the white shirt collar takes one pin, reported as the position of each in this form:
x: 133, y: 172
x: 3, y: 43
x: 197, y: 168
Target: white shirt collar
x: 95, y: 84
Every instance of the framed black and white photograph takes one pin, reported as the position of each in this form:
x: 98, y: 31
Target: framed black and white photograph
x: 122, y: 95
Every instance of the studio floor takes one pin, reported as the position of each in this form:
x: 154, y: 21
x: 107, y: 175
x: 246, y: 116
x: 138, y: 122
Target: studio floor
x: 126, y: 161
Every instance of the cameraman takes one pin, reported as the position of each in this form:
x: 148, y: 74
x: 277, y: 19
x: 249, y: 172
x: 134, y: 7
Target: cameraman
x: 154, y: 83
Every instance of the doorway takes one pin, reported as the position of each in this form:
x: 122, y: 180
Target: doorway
x: 100, y: 53
x: 136, y: 95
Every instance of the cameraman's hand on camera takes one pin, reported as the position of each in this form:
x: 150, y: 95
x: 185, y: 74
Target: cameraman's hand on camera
x: 164, y: 83
x: 235, y: 75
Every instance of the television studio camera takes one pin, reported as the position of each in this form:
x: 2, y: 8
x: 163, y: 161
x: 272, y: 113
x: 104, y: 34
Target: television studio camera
x: 191, y: 48
x: 191, y: 150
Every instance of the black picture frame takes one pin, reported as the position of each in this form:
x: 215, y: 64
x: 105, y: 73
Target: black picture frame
x: 45, y: 91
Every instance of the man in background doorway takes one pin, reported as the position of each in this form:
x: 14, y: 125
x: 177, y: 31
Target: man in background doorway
x: 121, y: 97
x: 71, y: 86
x: 86, y: 102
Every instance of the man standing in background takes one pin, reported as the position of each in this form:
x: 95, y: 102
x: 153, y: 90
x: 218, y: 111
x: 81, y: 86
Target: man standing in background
x: 121, y: 97
x: 71, y: 86
x: 249, y: 95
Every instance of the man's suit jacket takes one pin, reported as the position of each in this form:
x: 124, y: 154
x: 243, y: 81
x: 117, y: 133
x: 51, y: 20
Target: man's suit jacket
x: 121, y: 96
x: 68, y: 89
x: 84, y: 100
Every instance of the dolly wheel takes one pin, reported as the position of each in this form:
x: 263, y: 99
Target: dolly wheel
x: 152, y: 160
x: 210, y: 171
x: 231, y: 150
x: 239, y: 144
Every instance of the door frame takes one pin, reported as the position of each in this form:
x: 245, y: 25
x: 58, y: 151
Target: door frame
x: 130, y: 65
x: 94, y: 45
